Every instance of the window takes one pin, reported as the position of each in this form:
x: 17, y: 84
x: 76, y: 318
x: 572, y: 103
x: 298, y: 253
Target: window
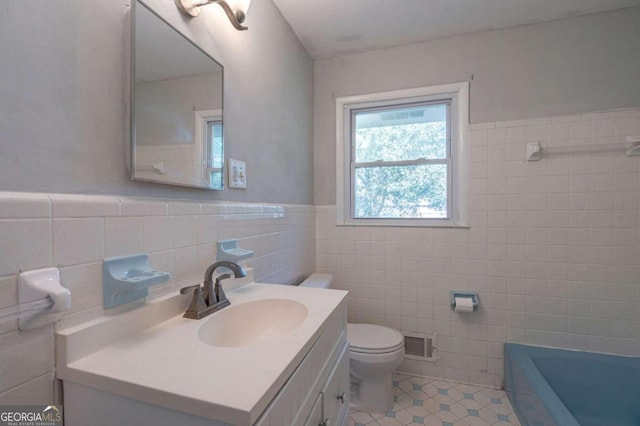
x: 402, y: 157
x: 209, y: 143
x: 214, y: 152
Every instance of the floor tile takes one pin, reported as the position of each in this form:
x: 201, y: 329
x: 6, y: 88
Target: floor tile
x: 430, y: 402
x: 377, y: 416
x: 441, y: 384
x: 387, y: 421
x: 475, y: 421
x: 404, y: 400
x: 482, y: 398
x: 419, y: 411
x: 360, y: 417
x: 455, y: 394
x: 471, y: 404
x: 432, y: 420
x: 418, y: 394
x: 468, y: 388
x: 447, y: 416
x: 488, y: 415
x: 500, y: 408
x: 459, y: 411
x: 432, y: 405
x: 417, y: 380
x: 404, y: 417
x: 503, y: 418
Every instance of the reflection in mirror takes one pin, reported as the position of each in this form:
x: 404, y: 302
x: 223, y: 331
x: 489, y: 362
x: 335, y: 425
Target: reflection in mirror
x: 176, y: 128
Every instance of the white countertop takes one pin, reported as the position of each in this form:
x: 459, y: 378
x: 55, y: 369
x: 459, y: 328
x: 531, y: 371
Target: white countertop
x: 168, y: 365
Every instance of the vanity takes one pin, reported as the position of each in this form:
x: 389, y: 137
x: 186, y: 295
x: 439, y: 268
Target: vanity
x: 277, y: 356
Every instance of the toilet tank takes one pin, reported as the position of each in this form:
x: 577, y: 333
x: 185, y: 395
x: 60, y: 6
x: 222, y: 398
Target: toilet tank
x: 318, y: 281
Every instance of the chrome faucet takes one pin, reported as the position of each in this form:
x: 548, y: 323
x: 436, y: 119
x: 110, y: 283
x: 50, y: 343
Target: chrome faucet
x: 210, y: 297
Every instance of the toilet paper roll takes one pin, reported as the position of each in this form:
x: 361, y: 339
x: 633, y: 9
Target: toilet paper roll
x: 464, y: 304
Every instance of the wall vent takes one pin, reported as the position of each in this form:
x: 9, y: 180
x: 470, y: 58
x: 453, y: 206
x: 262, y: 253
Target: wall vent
x: 420, y: 346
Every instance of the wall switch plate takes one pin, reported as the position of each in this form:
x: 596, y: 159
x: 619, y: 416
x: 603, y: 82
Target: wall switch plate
x: 237, y: 174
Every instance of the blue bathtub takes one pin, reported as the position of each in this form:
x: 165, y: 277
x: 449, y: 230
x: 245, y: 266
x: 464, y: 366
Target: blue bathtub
x: 556, y: 387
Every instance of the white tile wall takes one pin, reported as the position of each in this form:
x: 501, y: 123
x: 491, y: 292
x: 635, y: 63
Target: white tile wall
x: 28, y: 243
x: 76, y: 232
x: 553, y: 250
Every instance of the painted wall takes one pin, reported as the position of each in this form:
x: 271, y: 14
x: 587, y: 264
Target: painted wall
x: 64, y: 93
x: 583, y: 64
x: 165, y: 109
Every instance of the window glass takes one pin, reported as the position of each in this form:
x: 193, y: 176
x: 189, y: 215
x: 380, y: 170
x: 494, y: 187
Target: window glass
x: 215, y: 160
x: 403, y: 133
x: 401, y: 192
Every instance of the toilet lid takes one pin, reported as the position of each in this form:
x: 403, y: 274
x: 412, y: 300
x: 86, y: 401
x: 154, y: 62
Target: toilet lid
x: 373, y: 338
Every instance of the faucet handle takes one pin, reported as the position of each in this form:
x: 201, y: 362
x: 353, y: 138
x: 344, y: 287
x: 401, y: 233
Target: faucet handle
x: 185, y: 290
x: 198, y: 305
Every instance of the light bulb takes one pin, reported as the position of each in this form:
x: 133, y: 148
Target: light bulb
x: 240, y: 8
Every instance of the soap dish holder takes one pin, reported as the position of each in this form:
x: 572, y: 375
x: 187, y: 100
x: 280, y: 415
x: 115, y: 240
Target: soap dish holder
x: 465, y: 294
x: 229, y: 250
x: 128, y: 278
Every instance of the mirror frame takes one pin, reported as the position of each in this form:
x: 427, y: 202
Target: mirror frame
x: 132, y: 96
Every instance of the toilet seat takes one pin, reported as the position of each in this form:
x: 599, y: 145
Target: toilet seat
x: 373, y: 339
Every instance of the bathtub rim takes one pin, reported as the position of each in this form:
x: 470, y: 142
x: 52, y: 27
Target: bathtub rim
x: 545, y: 393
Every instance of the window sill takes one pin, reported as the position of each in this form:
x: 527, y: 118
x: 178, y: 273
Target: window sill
x: 399, y: 224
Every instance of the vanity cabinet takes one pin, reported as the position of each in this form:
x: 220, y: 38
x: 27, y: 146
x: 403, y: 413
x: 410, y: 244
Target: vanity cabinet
x: 317, y: 393
x: 163, y: 374
x: 332, y: 405
x: 310, y: 398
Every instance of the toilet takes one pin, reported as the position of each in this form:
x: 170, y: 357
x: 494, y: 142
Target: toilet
x: 374, y: 353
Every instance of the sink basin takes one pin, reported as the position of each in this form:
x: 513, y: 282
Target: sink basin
x: 253, y: 323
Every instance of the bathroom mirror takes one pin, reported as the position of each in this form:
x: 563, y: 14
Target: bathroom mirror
x: 176, y: 96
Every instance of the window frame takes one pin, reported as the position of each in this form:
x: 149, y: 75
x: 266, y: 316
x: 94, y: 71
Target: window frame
x: 458, y: 156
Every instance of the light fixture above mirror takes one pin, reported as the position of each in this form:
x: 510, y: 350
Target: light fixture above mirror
x: 236, y: 10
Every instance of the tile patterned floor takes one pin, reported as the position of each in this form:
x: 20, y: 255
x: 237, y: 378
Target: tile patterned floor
x: 423, y: 401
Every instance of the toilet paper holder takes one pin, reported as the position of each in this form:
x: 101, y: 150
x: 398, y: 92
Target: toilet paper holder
x: 475, y: 299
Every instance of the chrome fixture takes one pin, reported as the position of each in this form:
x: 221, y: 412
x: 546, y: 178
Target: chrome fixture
x: 210, y: 297
x: 236, y: 10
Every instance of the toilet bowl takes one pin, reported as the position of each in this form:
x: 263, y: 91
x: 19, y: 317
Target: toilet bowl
x: 374, y: 353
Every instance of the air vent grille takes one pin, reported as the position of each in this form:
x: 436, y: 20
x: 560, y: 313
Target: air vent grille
x: 414, y: 346
x: 420, y: 346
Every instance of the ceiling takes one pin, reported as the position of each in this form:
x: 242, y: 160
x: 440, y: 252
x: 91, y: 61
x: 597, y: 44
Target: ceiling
x: 329, y: 28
